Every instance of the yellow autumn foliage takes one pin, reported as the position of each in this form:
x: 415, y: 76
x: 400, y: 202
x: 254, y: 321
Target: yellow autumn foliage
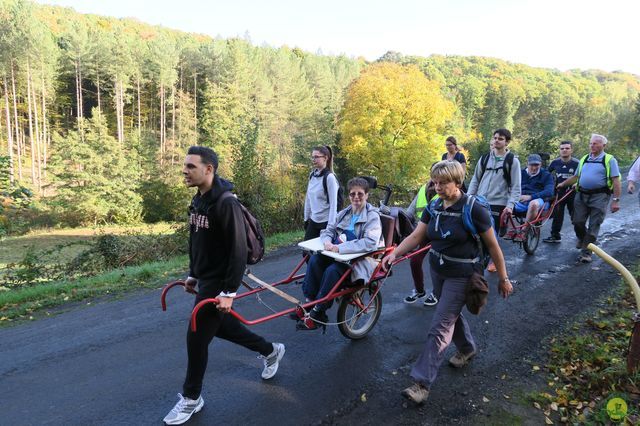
x: 392, y: 124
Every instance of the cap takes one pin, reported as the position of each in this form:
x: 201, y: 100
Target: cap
x: 534, y: 159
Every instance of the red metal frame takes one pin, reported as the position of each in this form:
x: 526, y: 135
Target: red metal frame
x: 336, y: 291
x: 510, y: 219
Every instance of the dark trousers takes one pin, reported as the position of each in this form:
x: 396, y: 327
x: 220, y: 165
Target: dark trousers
x: 558, y: 213
x: 312, y: 229
x: 322, y: 274
x: 416, y: 269
x: 496, y: 211
x: 213, y: 323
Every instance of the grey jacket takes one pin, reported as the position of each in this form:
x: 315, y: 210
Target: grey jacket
x: 492, y: 185
x: 368, y: 227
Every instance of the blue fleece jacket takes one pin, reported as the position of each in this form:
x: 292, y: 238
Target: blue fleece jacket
x: 538, y: 186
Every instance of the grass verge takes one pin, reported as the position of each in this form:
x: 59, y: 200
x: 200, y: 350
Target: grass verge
x: 587, y: 368
x: 24, y: 303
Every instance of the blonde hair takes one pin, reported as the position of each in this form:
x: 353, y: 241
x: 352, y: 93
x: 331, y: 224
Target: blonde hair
x: 448, y: 171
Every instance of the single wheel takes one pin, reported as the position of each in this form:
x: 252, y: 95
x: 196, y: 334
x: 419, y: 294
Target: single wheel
x: 532, y: 239
x: 358, y: 313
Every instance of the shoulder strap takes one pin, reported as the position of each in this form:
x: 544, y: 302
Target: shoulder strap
x: 484, y: 160
x: 508, y: 163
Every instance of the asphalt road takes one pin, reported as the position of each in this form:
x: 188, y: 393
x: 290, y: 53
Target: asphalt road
x: 123, y: 361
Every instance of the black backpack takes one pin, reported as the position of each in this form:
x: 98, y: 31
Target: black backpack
x: 255, y: 235
x: 506, y: 166
x: 325, y: 174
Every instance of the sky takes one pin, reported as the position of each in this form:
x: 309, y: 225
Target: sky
x: 561, y: 34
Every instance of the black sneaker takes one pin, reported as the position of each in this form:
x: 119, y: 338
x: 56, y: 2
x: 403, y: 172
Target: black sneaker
x: 552, y: 239
x: 415, y: 295
x: 431, y: 300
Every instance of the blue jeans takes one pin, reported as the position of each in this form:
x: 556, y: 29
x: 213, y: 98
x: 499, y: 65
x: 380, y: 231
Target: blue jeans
x: 448, y: 324
x: 322, y: 274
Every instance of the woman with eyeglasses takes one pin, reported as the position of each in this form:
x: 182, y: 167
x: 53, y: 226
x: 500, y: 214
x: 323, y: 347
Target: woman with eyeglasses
x: 357, y: 229
x: 321, y: 201
x: 453, y: 259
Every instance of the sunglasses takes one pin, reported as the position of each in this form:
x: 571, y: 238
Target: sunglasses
x: 357, y: 194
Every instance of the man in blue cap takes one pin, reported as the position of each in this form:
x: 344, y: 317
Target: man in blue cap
x: 536, y: 188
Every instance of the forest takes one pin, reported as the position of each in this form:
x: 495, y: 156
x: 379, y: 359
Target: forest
x: 97, y: 114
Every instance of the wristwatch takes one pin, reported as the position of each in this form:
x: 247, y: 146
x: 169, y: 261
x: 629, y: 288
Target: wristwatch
x: 501, y: 280
x: 615, y: 199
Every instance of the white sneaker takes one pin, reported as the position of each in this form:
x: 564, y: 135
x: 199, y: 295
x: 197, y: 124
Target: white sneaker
x: 183, y: 410
x: 272, y: 361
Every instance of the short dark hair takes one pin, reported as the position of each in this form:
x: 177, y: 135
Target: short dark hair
x: 207, y: 155
x: 358, y: 181
x: 504, y: 132
x: 566, y: 143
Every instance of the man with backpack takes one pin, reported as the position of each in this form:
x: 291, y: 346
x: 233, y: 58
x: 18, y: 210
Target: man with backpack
x: 497, y: 178
x: 217, y: 259
x: 597, y: 177
x: 564, y: 167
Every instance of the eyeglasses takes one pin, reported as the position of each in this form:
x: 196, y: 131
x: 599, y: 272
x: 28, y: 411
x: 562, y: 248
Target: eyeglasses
x: 357, y: 194
x: 315, y: 157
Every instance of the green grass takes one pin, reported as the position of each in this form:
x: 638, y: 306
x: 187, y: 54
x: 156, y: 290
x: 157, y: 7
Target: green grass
x: 13, y: 249
x: 25, y: 303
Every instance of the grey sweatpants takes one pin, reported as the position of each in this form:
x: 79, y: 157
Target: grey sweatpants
x: 447, y: 324
x: 594, y: 208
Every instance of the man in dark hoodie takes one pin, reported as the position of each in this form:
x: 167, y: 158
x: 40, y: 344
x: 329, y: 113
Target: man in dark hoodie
x: 217, y: 260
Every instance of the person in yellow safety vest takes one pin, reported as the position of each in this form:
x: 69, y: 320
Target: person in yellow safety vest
x: 597, y: 177
x: 426, y: 193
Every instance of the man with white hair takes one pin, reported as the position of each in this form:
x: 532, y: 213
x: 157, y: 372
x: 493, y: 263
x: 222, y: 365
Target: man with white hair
x: 597, y: 177
x: 633, y: 177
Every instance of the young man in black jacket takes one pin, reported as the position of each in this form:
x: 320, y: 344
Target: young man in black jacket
x: 217, y: 260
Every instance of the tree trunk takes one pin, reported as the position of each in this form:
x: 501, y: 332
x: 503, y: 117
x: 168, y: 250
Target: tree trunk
x: 9, y: 131
x: 37, y: 134
x: 161, y: 124
x: 78, y: 92
x: 121, y: 112
x: 45, y: 129
x: 139, y: 112
x: 31, y: 141
x: 98, y: 90
x: 173, y: 113
x: 195, y: 100
x: 16, y: 126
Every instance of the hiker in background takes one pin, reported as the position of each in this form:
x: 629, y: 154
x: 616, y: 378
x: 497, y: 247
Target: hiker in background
x: 321, y: 201
x: 453, y: 154
x: 564, y: 167
x: 497, y: 178
x: 633, y: 177
x: 597, y: 177
x: 454, y: 258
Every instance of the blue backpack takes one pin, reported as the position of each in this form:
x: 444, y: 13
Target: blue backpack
x: 467, y: 223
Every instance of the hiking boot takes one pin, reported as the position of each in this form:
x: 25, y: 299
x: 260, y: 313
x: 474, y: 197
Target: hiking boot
x: 491, y: 267
x: 416, y: 393
x: 183, y: 410
x: 431, y: 300
x: 272, y: 361
x: 459, y: 360
x: 552, y: 239
x: 579, y: 244
x: 415, y: 295
x: 584, y: 258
